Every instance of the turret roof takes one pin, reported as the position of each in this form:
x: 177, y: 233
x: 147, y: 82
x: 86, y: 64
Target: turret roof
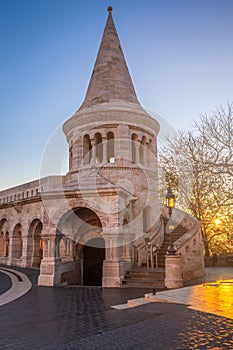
x: 110, y: 80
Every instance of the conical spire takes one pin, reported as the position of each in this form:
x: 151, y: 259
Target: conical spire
x: 110, y: 80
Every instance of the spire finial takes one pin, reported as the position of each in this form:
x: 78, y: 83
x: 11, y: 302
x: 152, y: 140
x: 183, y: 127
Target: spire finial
x: 110, y: 9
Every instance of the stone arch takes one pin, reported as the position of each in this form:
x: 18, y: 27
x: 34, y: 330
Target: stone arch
x: 35, y: 243
x: 4, y: 226
x: 17, y: 242
x: 110, y: 146
x: 76, y: 223
x: 83, y: 227
x: 98, y: 148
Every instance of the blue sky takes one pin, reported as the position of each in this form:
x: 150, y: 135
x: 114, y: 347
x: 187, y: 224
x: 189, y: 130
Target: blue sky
x: 179, y: 53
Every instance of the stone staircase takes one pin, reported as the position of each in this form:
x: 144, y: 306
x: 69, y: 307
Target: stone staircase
x: 141, y: 277
x: 176, y: 234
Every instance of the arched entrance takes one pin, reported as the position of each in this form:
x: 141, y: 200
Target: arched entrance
x: 93, y: 257
x: 35, y: 246
x: 17, y: 244
x: 81, y: 229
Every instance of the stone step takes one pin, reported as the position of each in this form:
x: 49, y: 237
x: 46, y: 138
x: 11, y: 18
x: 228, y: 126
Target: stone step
x: 146, y: 271
x: 142, y: 277
x: 143, y: 284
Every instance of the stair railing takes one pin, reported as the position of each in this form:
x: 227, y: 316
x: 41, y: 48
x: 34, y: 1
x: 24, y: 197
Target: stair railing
x: 154, y: 238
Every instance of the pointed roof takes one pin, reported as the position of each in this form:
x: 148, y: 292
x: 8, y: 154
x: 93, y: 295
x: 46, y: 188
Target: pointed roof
x: 110, y: 80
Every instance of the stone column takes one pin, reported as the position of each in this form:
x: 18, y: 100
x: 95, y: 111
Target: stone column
x: 104, y: 142
x: 123, y: 149
x: 26, y: 258
x: 49, y: 272
x: 145, y: 154
x: 173, y: 278
x: 111, y: 265
x: 93, y: 148
x: 6, y: 246
x: 71, y: 247
x: 137, y: 150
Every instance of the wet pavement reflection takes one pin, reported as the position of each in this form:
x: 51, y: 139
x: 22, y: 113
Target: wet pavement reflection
x: 215, y: 297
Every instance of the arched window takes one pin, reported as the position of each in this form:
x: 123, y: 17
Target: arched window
x: 71, y: 155
x: 87, y: 154
x: 35, y: 243
x: 2, y: 244
x: 134, y: 147
x: 7, y: 242
x: 110, y: 147
x: 99, y: 148
x: 143, y: 151
x: 17, y: 242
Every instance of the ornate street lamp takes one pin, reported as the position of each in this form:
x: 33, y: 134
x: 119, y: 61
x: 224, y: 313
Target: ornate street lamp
x: 170, y: 202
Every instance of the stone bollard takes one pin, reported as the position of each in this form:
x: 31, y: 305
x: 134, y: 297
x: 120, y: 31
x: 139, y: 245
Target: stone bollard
x: 173, y: 278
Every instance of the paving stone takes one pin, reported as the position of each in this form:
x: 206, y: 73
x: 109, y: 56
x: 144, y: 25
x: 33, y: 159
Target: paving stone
x: 76, y: 318
x: 5, y: 283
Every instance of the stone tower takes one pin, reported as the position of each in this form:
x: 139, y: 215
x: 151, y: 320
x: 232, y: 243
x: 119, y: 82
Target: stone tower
x: 101, y: 221
x: 113, y: 144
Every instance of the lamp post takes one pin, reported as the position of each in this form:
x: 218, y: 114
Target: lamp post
x: 170, y: 202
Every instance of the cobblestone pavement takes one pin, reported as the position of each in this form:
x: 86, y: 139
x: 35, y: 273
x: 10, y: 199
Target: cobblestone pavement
x: 5, y: 283
x: 82, y: 318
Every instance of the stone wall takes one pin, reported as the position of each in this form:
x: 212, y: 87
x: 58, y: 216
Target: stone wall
x: 219, y: 260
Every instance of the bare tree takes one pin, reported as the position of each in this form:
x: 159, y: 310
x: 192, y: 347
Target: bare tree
x: 199, y: 165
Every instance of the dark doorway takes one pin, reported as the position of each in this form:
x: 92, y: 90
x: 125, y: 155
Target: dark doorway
x: 94, y: 255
